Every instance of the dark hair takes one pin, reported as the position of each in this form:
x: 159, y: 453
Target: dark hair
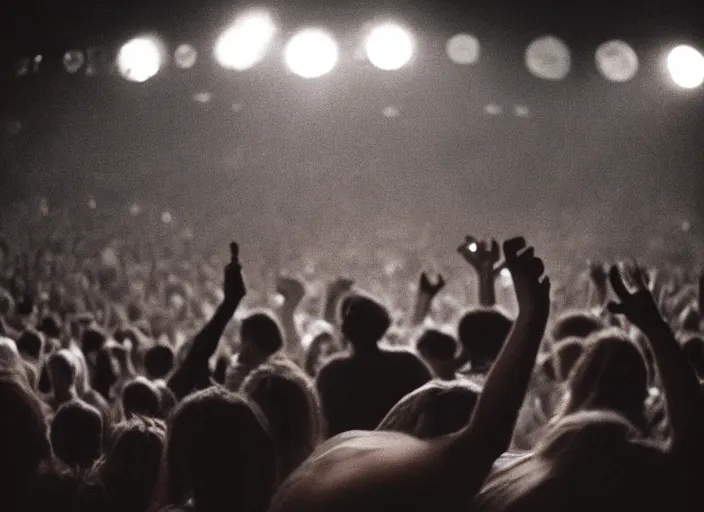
x: 289, y: 400
x: 218, y: 446
x: 364, y: 320
x: 159, y: 361
x: 140, y: 397
x: 578, y: 324
x: 482, y: 333
x: 435, y: 344
x: 30, y: 344
x: 93, y: 339
x: 435, y: 409
x: 263, y: 331
x: 50, y: 325
x: 76, y: 434
x: 129, y: 469
x: 611, y: 376
x: 63, y: 364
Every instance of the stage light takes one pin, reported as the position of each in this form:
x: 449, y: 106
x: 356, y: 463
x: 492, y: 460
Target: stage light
x: 521, y: 111
x: 616, y: 61
x: 686, y: 67
x: 548, y: 58
x: 389, y: 47
x: 311, y: 53
x: 73, y: 61
x: 203, y: 97
x: 391, y: 112
x: 463, y: 49
x: 493, y: 110
x: 139, y: 59
x: 185, y: 56
x: 245, y: 43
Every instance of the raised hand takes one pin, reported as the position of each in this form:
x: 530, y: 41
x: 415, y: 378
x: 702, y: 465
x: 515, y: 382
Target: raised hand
x: 335, y: 290
x: 532, y: 290
x: 482, y: 255
x: 431, y: 289
x: 291, y: 289
x: 234, y: 286
x: 637, y: 303
x: 340, y: 286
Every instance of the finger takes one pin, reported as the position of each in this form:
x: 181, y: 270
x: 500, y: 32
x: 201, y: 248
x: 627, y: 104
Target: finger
x: 639, y: 277
x: 513, y: 246
x: 537, y: 267
x: 234, y: 252
x: 617, y: 283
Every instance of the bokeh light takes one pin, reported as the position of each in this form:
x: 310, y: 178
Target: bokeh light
x: 22, y: 66
x: 391, y: 112
x: 463, y: 49
x: 73, y: 60
x: 185, y: 56
x: 139, y: 59
x: 246, y: 42
x: 389, y: 47
x: 311, y: 53
x: 203, y: 97
x: 548, y: 58
x: 493, y: 109
x: 686, y: 67
x: 521, y: 111
x: 616, y: 61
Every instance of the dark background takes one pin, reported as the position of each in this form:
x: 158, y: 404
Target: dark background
x: 600, y: 165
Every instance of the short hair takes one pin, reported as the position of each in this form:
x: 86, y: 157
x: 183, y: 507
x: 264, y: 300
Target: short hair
x: 93, y: 339
x: 436, y: 344
x: 364, y: 320
x: 50, y: 326
x: 63, y: 362
x: 76, y: 434
x: 263, y: 331
x: 141, y: 398
x: 30, y: 343
x: 578, y: 324
x: 482, y: 333
x: 159, y: 361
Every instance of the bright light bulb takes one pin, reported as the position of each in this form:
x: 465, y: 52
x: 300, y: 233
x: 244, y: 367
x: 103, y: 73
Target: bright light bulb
x: 245, y: 43
x: 686, y: 67
x: 389, y: 47
x: 311, y: 53
x: 139, y: 59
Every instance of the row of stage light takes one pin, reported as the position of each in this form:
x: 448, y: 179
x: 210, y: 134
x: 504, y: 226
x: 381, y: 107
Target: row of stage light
x: 313, y: 52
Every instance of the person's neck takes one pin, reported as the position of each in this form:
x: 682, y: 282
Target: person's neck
x: 365, y: 350
x: 65, y: 395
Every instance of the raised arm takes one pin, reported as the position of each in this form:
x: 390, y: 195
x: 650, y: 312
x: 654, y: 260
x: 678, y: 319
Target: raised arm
x: 194, y: 370
x: 293, y: 292
x: 484, y: 258
x: 490, y: 429
x: 335, y: 292
x: 680, y: 384
x: 427, y: 291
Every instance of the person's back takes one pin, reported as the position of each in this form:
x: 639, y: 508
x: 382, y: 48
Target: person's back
x: 358, y: 390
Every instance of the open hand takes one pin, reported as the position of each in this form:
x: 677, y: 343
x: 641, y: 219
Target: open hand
x: 481, y: 254
x: 637, y: 303
x: 532, y: 289
x: 340, y: 286
x: 431, y: 289
x: 597, y: 274
x: 234, y: 287
x: 291, y: 288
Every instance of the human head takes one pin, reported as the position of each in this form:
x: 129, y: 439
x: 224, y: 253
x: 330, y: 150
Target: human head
x: 261, y: 336
x: 23, y: 437
x: 159, y: 361
x: 29, y: 345
x: 93, y: 339
x: 563, y: 355
x: 579, y: 324
x: 288, y: 399
x: 140, y: 397
x: 77, y: 434
x: 364, y: 321
x: 436, y: 409
x: 130, y: 466
x: 218, y: 449
x: 439, y: 351
x: 482, y: 333
x: 62, y: 371
x: 50, y: 326
x: 611, y: 376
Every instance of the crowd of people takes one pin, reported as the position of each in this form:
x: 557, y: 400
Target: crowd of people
x: 136, y: 380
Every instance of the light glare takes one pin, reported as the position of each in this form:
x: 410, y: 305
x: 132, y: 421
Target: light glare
x: 686, y: 67
x: 389, y: 47
x: 245, y: 43
x: 139, y: 59
x: 616, y: 61
x: 185, y: 56
x: 463, y: 49
x: 548, y: 58
x: 311, y: 53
